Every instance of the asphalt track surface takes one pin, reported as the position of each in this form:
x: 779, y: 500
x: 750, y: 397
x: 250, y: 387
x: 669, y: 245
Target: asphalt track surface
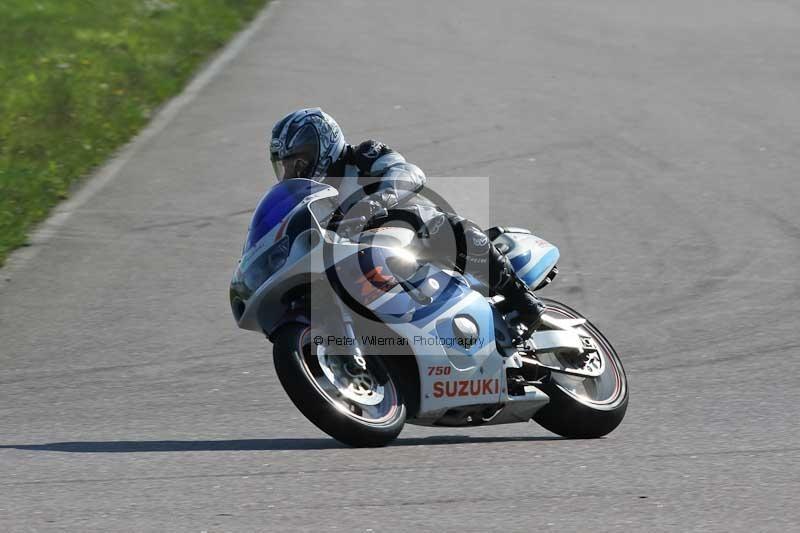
x: 657, y: 143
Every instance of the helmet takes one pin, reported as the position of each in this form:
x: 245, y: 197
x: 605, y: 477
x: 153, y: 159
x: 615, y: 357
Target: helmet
x: 309, y: 134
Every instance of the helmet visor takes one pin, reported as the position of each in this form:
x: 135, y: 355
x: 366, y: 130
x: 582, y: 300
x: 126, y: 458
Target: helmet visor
x: 277, y: 167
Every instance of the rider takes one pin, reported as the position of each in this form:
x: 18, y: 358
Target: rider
x: 308, y: 143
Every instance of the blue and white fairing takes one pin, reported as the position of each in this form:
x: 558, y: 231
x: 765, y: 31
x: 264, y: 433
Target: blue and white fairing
x: 422, y: 307
x: 476, y: 372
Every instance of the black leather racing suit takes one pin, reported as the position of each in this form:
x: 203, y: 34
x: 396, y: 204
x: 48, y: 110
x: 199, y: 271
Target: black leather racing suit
x: 372, y: 173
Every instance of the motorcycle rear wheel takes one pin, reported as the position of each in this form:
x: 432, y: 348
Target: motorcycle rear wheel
x: 358, y: 407
x: 584, y: 408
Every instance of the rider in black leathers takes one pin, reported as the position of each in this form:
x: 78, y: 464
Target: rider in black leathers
x: 370, y: 178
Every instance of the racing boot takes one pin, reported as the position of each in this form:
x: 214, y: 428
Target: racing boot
x: 502, y: 278
x: 520, y: 297
x: 522, y: 300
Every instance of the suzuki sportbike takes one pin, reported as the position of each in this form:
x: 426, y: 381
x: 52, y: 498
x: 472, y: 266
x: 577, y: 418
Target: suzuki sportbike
x: 367, y: 337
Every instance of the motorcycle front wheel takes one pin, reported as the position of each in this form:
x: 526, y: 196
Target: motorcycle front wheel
x: 584, y: 408
x: 356, y: 406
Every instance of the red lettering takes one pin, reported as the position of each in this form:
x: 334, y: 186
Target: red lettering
x: 474, y: 388
x: 439, y: 370
x: 477, y: 387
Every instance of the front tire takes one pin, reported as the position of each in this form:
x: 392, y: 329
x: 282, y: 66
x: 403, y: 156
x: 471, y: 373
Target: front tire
x: 368, y: 411
x: 584, y: 408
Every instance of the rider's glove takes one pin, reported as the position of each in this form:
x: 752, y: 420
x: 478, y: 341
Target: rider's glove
x: 365, y: 154
x: 369, y: 209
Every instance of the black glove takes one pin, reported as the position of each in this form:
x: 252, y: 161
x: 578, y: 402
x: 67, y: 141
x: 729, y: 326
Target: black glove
x: 375, y: 205
x: 366, y: 153
x: 369, y: 209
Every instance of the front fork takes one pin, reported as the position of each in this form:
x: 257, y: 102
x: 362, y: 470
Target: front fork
x: 347, y: 327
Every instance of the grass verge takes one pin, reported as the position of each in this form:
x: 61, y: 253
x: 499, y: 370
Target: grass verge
x: 78, y: 78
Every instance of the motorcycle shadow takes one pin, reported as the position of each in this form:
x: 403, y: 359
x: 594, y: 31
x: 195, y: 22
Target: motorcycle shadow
x: 277, y: 444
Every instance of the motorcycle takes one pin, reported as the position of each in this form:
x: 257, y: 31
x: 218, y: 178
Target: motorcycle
x: 367, y: 337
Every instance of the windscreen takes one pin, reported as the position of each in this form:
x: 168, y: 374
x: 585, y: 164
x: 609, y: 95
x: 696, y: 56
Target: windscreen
x: 276, y: 204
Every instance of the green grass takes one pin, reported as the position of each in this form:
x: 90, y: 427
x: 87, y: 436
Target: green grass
x: 78, y: 78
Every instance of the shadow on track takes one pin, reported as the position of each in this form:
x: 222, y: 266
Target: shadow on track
x: 125, y: 446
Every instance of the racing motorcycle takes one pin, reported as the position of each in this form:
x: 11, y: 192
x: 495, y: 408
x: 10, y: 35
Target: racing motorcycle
x: 367, y: 337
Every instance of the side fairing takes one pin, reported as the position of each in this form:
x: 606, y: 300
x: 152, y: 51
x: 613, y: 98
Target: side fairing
x: 455, y: 369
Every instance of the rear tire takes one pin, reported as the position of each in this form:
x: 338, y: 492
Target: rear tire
x: 575, y: 416
x: 302, y: 377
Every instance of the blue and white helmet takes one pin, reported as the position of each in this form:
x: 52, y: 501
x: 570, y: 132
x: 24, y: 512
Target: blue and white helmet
x: 308, y: 132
